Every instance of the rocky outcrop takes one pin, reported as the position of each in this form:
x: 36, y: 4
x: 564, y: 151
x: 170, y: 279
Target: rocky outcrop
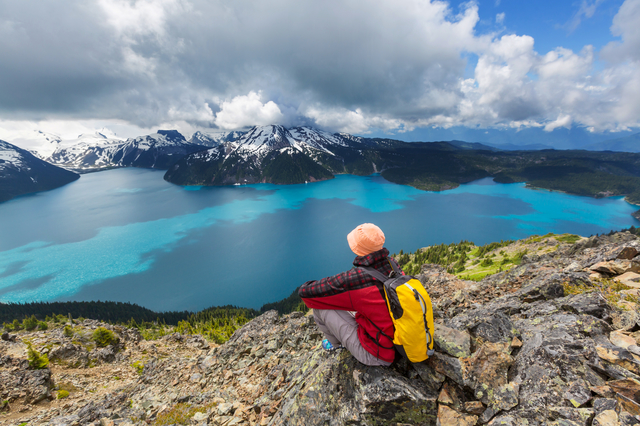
x: 18, y: 381
x: 546, y: 343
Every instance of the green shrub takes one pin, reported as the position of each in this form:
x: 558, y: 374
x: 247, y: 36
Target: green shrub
x: 62, y: 394
x: 43, y: 326
x: 30, y: 323
x: 36, y: 360
x: 7, y: 326
x: 16, y: 325
x: 487, y: 262
x: 68, y: 331
x: 139, y: 367
x: 517, y: 258
x: 568, y: 238
x: 180, y: 414
x: 184, y: 328
x: 103, y: 337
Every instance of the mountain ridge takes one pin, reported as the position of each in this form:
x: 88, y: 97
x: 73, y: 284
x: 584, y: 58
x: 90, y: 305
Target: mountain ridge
x: 629, y: 143
x: 22, y: 173
x: 98, y: 152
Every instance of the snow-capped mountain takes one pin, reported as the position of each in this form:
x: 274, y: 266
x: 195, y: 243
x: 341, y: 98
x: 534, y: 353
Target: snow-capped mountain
x: 100, y: 150
x: 318, y: 138
x: 39, y: 143
x: 157, y: 151
x: 89, y: 151
x: 262, y: 140
x: 270, y: 154
x: 212, y: 139
x: 22, y: 173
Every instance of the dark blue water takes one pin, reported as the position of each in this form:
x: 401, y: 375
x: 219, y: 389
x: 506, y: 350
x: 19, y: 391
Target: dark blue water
x: 127, y: 235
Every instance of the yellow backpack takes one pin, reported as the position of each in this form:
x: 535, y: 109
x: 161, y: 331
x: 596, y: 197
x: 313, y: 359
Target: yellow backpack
x: 410, y: 309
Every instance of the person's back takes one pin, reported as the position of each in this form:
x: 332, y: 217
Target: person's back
x: 350, y: 307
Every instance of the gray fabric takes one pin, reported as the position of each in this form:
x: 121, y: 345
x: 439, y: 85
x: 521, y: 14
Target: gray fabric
x: 341, y: 328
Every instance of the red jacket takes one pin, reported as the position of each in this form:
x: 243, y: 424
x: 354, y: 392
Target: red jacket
x: 354, y: 290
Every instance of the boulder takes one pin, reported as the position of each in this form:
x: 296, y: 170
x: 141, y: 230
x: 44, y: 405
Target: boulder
x: 340, y: 390
x: 448, y: 366
x: 8, y: 337
x: 606, y: 418
x: 607, y: 267
x: 627, y: 393
x: 496, y: 328
x: 449, y: 417
x: 486, y: 372
x: 619, y: 356
x: 627, y: 253
x: 621, y: 339
x: 630, y: 279
x: 106, y: 355
x: 581, y: 416
x: 70, y: 355
x: 453, y: 342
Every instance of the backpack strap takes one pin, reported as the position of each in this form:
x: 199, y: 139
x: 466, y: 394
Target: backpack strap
x: 374, y: 273
x: 396, y: 271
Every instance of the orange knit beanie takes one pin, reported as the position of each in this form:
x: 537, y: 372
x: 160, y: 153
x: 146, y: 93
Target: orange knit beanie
x: 365, y: 239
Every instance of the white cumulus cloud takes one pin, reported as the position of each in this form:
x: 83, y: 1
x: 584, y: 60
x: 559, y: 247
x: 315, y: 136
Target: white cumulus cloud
x: 247, y: 110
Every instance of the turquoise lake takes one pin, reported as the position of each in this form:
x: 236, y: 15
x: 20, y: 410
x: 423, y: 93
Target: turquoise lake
x: 127, y: 235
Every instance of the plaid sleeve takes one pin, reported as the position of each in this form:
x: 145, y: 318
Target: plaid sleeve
x: 330, y: 286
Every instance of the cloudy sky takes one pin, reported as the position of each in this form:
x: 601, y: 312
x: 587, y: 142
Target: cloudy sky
x: 406, y: 68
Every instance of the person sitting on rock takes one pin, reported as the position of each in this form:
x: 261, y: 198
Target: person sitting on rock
x: 350, y: 308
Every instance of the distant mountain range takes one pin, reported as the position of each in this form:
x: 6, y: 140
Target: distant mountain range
x: 96, y: 151
x: 272, y: 154
x: 281, y: 155
x: 22, y: 173
x: 626, y: 144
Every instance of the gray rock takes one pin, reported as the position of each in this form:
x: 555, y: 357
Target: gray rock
x: 107, y: 355
x: 366, y: 393
x: 224, y: 408
x: 496, y: 328
x: 8, y: 337
x: 70, y: 354
x: 606, y: 418
x: 448, y: 366
x: 579, y: 416
x: 453, y: 342
x: 603, y: 404
x: 627, y: 419
x: 578, y: 393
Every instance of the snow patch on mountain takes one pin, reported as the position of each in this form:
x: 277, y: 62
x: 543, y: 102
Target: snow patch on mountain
x: 39, y: 143
x: 88, y: 151
x: 317, y: 138
x: 9, y: 156
x: 261, y: 140
x: 212, y: 139
x: 159, y: 139
x: 102, y: 149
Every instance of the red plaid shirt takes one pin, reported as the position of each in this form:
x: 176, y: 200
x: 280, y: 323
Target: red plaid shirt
x: 357, y: 291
